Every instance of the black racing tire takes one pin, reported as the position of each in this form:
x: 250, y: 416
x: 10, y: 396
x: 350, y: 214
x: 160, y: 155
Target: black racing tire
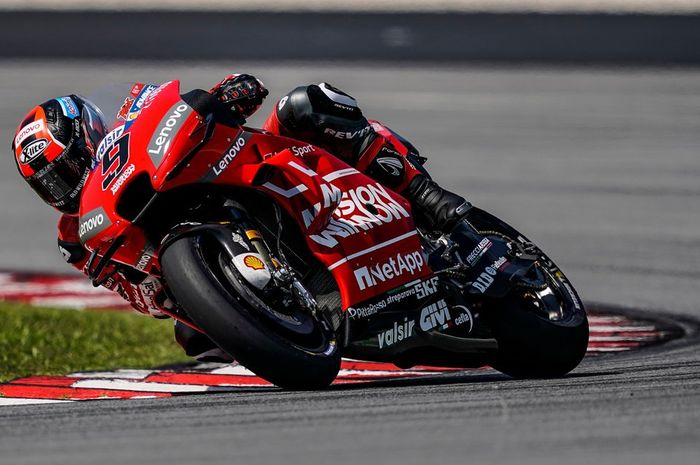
x: 532, y: 346
x: 230, y: 314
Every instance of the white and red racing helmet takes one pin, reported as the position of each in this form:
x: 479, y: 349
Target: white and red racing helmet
x: 55, y: 147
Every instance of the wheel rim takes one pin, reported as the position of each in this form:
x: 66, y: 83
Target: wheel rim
x: 298, y: 328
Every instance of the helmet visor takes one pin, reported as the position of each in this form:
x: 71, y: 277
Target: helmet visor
x: 59, y: 183
x: 92, y: 125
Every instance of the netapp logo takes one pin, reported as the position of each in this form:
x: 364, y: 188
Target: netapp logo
x: 396, y: 266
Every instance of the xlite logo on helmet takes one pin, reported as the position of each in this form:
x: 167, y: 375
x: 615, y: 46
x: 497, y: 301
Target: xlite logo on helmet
x: 370, y: 276
x: 33, y: 150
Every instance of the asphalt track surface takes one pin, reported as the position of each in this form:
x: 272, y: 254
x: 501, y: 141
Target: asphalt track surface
x: 599, y: 167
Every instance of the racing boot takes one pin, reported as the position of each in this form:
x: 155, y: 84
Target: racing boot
x: 435, y: 208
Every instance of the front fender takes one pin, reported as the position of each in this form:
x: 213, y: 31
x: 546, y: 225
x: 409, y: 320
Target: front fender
x: 219, y: 231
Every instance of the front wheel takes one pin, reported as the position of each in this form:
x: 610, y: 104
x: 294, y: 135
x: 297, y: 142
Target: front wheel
x: 292, y: 349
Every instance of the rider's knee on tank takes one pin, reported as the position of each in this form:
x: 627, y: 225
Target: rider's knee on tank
x: 326, y: 117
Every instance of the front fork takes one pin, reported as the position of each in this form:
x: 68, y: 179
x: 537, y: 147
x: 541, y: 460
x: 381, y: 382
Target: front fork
x: 283, y: 275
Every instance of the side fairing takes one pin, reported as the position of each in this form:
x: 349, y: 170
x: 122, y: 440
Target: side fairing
x: 362, y: 231
x: 126, y: 153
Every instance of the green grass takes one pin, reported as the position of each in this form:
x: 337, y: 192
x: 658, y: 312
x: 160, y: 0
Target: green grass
x: 41, y: 341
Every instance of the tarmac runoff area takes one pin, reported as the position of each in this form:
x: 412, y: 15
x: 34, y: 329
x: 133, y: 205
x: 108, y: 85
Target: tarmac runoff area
x: 598, y: 166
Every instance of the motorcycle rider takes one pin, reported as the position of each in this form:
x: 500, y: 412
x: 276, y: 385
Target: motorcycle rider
x: 55, y: 148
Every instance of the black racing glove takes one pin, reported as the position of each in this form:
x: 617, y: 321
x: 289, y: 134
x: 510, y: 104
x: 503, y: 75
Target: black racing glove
x: 242, y: 93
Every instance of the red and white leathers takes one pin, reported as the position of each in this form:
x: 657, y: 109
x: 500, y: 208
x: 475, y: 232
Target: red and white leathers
x: 146, y: 297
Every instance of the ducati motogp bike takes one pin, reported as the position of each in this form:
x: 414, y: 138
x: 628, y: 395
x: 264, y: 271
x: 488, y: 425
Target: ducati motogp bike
x: 288, y: 258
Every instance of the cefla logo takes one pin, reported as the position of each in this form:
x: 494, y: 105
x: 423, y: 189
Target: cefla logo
x: 370, y: 276
x: 33, y: 150
x: 168, y: 127
x: 359, y: 209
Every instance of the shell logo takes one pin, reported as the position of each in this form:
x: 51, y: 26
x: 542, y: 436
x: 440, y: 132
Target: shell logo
x: 251, y: 261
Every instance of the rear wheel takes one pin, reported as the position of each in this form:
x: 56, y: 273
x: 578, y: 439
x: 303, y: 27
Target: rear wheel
x: 286, y: 346
x: 541, y: 325
x: 540, y: 334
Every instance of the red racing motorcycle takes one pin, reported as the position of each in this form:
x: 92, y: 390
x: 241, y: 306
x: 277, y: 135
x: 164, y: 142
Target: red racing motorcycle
x: 288, y: 258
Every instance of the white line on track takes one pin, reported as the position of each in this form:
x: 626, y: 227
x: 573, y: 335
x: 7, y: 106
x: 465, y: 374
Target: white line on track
x: 121, y: 374
x: 21, y: 401
x: 126, y: 385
